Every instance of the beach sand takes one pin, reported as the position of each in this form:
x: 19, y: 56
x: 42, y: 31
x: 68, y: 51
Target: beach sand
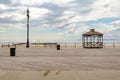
x: 60, y: 75
x: 64, y: 64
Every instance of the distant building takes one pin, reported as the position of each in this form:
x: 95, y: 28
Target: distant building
x: 92, y: 39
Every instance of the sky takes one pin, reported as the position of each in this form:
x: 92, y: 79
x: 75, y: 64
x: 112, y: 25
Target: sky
x: 58, y: 20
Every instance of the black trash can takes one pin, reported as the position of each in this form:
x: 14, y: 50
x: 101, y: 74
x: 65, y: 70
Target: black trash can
x: 58, y: 47
x: 12, y: 51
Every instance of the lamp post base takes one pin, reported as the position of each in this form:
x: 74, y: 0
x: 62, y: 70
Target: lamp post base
x: 27, y: 46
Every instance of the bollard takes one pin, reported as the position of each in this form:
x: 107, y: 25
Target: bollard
x: 12, y: 51
x: 58, y: 47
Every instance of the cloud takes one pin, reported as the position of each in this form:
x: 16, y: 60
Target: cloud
x: 116, y: 24
x: 81, y: 30
x: 96, y: 10
x: 3, y: 7
x: 2, y: 29
x: 69, y: 16
x: 82, y: 6
x: 38, y: 13
x: 107, y: 28
x: 6, y: 2
x: 111, y: 30
x: 56, y: 12
x: 15, y: 26
x: 29, y: 2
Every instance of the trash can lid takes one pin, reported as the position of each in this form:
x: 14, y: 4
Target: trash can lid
x: 12, y: 48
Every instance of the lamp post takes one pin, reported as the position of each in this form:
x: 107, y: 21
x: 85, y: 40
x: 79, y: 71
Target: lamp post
x: 28, y: 16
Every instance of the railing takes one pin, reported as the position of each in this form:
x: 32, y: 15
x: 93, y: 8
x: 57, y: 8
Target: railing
x: 74, y: 44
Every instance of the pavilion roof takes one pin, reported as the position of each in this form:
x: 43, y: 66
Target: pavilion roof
x: 92, y: 32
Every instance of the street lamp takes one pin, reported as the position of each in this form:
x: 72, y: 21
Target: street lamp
x: 28, y: 16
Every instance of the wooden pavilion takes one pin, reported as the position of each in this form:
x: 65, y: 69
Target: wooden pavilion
x: 92, y: 39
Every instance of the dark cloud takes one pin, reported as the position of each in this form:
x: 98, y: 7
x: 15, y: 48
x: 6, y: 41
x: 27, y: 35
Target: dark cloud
x: 51, y: 18
x: 53, y: 7
x: 9, y: 3
x: 106, y: 5
x: 6, y: 20
x: 6, y: 2
x: 9, y: 20
x: 8, y: 10
x: 56, y: 12
x: 83, y: 2
x: 83, y: 6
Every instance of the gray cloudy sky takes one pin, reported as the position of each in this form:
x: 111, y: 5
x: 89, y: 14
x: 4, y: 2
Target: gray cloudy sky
x: 58, y: 20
